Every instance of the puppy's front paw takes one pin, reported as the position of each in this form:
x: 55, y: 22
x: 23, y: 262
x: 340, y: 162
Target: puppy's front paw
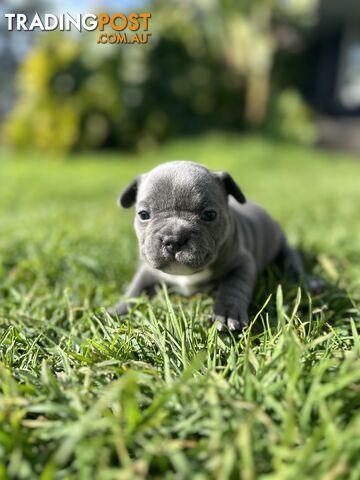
x: 230, y: 322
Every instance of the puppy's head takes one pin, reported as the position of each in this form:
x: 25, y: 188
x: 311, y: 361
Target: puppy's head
x: 182, y: 215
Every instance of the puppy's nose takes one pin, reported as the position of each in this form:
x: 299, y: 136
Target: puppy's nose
x: 174, y: 243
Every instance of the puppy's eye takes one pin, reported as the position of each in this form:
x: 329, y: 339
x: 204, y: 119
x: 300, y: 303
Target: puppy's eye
x: 208, y: 215
x: 144, y: 215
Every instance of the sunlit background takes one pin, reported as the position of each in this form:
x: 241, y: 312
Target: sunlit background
x: 289, y: 69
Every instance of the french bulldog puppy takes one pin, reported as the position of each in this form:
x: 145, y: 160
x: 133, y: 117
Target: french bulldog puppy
x: 196, y: 229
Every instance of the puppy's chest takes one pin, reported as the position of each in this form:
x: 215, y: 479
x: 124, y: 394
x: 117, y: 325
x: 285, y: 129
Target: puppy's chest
x: 188, y: 284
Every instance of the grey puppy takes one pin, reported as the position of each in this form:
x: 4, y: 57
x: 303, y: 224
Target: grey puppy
x: 196, y: 229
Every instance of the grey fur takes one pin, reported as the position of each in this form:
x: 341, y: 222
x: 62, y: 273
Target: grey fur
x: 190, y: 253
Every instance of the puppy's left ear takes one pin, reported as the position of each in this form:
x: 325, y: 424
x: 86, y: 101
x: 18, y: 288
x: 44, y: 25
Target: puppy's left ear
x: 231, y: 187
x: 128, y: 196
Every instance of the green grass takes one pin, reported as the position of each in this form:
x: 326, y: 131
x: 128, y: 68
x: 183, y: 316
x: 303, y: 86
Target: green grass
x: 161, y: 395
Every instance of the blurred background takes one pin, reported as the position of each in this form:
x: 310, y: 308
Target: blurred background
x: 288, y: 69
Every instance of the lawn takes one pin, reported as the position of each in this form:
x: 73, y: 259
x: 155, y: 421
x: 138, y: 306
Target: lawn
x: 161, y: 395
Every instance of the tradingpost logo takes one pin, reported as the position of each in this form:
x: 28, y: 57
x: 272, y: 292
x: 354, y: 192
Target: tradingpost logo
x: 117, y: 28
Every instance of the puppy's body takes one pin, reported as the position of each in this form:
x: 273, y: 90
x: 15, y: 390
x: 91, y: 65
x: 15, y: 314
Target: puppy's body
x: 189, y: 284
x: 196, y: 230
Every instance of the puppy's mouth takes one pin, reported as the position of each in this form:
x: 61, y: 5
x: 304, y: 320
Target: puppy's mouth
x: 182, y: 265
x: 182, y: 262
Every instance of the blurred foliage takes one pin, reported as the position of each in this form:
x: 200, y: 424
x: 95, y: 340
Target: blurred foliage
x: 290, y: 119
x: 208, y: 66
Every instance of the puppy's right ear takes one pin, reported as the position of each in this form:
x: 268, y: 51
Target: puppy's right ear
x: 128, y: 196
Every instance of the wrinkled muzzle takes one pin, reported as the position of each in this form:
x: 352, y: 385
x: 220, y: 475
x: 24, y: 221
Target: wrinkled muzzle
x: 180, y: 249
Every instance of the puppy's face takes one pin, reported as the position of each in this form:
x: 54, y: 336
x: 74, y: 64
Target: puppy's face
x: 182, y: 216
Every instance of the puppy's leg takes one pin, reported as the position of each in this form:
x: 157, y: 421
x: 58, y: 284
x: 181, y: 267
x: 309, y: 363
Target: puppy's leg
x: 144, y: 281
x: 291, y: 263
x: 234, y: 296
